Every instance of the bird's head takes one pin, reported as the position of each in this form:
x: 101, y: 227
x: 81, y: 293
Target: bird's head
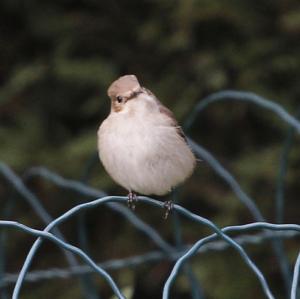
x: 122, y: 90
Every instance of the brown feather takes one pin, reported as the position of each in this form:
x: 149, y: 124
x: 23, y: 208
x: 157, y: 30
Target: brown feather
x: 166, y: 111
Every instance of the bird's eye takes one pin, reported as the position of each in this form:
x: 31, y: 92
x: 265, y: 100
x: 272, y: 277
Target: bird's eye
x: 119, y: 99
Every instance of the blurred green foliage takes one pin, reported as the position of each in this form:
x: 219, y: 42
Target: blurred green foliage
x: 57, y: 59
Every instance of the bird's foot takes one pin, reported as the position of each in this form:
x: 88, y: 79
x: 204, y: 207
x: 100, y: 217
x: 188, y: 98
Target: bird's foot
x: 132, y: 200
x: 168, y: 206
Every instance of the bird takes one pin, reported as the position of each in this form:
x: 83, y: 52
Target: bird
x: 140, y: 143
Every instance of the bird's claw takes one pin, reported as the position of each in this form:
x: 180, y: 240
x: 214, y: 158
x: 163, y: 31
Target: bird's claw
x: 132, y: 200
x: 168, y: 206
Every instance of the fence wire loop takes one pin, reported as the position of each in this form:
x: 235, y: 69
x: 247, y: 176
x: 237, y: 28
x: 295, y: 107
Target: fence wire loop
x: 180, y: 253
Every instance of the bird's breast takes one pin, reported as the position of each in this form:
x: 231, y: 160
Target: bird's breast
x: 128, y: 137
x: 123, y: 142
x: 144, y: 154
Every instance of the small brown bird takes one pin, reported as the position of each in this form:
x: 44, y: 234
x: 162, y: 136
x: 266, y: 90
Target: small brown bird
x: 140, y: 143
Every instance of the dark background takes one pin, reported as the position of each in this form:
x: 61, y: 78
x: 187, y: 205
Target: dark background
x: 57, y: 59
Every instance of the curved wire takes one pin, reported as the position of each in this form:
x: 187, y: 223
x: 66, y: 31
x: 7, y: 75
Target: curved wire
x: 34, y: 203
x: 196, y: 247
x: 149, y: 257
x: 295, y: 278
x: 152, y: 202
x: 228, y: 178
x: 242, y: 96
x: 110, y: 201
x: 71, y: 248
x: 249, y: 203
x: 83, y: 189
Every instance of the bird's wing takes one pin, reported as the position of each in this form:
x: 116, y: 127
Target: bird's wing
x: 164, y: 110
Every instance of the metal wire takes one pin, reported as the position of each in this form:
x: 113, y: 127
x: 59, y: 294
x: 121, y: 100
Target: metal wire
x: 195, y: 288
x: 295, y: 278
x: 228, y: 178
x: 193, y: 250
x: 6, y: 213
x: 152, y: 202
x: 279, y: 204
x: 242, y: 96
x: 71, y: 248
x: 180, y: 253
x: 34, y: 202
x: 150, y: 257
x: 83, y: 189
x: 248, y: 202
x: 283, y: 165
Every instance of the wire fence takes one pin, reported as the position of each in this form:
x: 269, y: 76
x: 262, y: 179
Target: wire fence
x: 180, y: 253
